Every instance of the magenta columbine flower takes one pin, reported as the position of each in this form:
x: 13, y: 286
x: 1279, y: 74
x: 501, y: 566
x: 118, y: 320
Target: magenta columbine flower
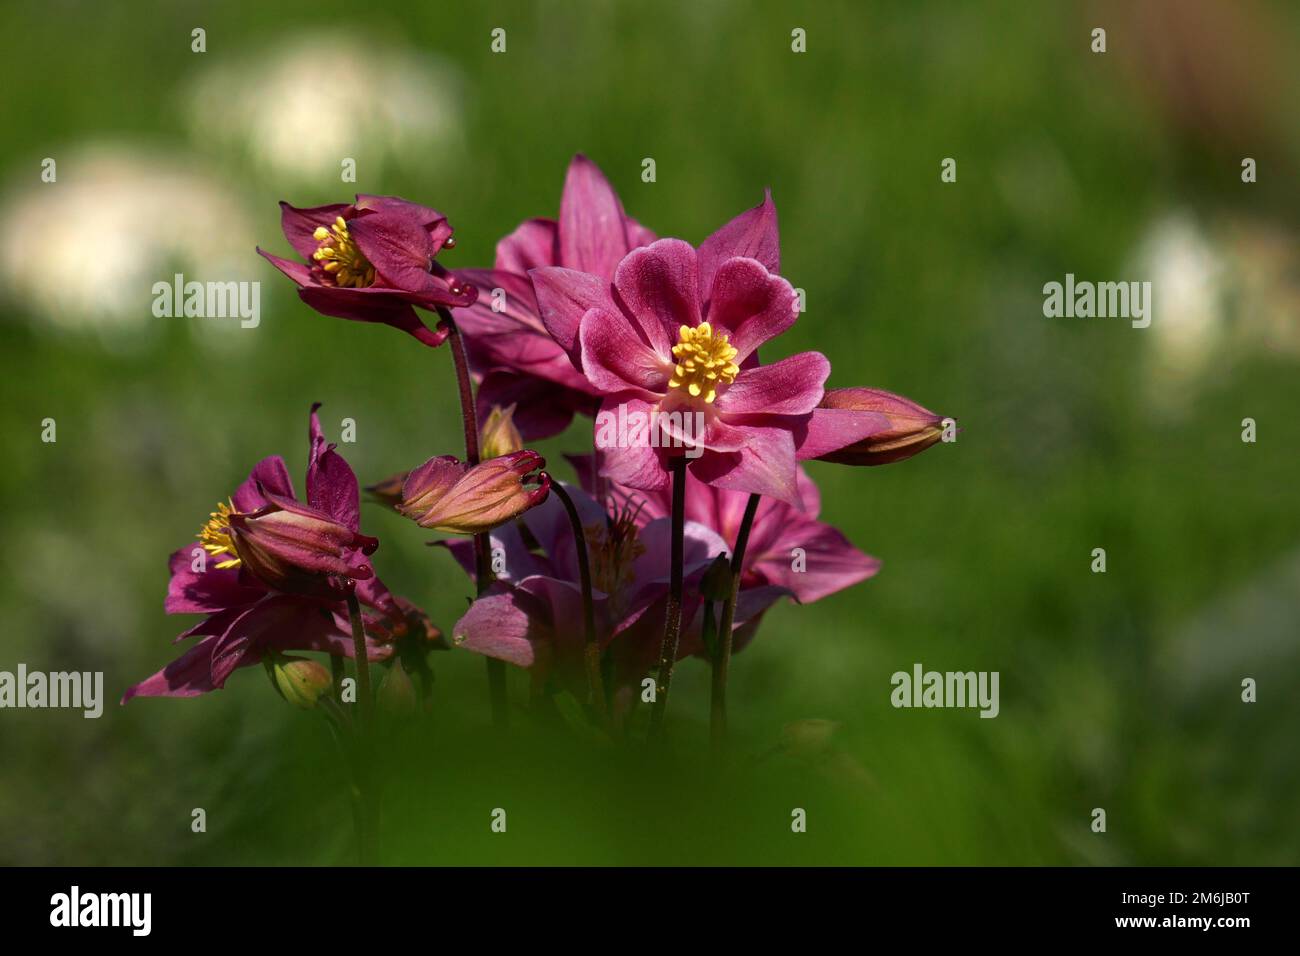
x: 531, y: 616
x: 673, y: 342
x: 512, y: 353
x: 247, y: 616
x: 372, y: 261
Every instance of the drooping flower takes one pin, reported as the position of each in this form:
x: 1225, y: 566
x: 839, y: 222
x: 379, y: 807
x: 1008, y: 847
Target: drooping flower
x: 892, y: 427
x: 673, y: 341
x: 372, y: 260
x: 510, y: 350
x: 787, y: 547
x: 446, y: 494
x: 532, y: 615
x: 248, y: 616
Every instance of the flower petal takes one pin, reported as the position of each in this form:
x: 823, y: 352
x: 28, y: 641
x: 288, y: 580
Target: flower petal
x: 563, y: 297
x: 358, y: 305
x: 331, y: 484
x: 764, y: 466
x: 273, y: 477
x: 751, y: 304
x: 792, y: 386
x: 300, y: 224
x: 753, y: 234
x: 615, y: 359
x: 593, y: 233
x: 657, y: 285
x: 535, y: 243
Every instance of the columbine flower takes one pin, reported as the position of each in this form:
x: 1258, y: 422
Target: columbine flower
x: 446, y: 494
x: 869, y: 426
x: 787, y: 547
x: 372, y: 261
x: 246, y: 617
x: 677, y: 333
x: 532, y: 615
x: 512, y: 353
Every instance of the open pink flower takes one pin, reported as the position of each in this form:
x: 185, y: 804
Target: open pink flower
x: 246, y: 615
x: 517, y: 361
x: 673, y: 342
x: 372, y: 261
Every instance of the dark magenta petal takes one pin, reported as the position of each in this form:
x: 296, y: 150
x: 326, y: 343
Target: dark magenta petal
x: 331, y: 485
x: 297, y: 271
x: 300, y: 224
x: 386, y: 309
x: 204, y: 592
x: 271, y: 474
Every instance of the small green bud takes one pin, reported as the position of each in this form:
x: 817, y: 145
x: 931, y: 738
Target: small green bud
x: 300, y: 681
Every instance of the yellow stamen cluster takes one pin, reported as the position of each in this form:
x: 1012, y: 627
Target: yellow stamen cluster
x: 340, y: 257
x: 704, y: 361
x: 215, y: 536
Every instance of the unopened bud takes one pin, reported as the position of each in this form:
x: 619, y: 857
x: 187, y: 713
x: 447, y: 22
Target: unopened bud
x: 499, y: 435
x: 447, y: 495
x: 300, y: 681
x: 904, y: 427
x: 716, y: 584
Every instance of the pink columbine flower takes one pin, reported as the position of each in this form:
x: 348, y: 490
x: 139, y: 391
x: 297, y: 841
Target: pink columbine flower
x: 515, y: 358
x: 674, y: 338
x: 372, y: 261
x: 532, y: 615
x: 787, y: 547
x: 246, y: 616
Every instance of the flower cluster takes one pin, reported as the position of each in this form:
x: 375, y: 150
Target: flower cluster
x: 676, y: 536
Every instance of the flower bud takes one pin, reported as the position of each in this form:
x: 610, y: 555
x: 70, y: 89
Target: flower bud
x: 716, y: 583
x: 499, y: 436
x: 447, y: 495
x: 297, y: 549
x: 907, y: 428
x: 300, y: 681
x: 396, y: 694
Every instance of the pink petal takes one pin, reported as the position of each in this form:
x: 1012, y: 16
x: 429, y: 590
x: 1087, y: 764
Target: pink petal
x: 542, y: 408
x: 753, y: 235
x: 300, y: 224
x: 830, y: 429
x: 593, y: 237
x: 359, y: 306
x: 792, y: 386
x: 765, y: 466
x: 535, y: 243
x: 563, y: 297
x: 657, y: 285
x: 498, y: 625
x: 615, y: 359
x: 331, y: 485
x: 274, y: 479
x: 207, y: 591
x: 750, y: 304
x: 296, y: 271
x: 832, y: 562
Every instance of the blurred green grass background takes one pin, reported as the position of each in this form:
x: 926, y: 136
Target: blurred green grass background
x: 1119, y: 691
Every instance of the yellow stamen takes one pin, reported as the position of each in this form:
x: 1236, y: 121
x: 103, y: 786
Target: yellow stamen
x: 704, y: 361
x: 215, y: 535
x: 340, y: 257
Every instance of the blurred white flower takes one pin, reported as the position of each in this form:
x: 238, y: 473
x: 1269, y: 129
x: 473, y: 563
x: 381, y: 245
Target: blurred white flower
x: 118, y: 219
x: 302, y: 107
x: 1187, y: 275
